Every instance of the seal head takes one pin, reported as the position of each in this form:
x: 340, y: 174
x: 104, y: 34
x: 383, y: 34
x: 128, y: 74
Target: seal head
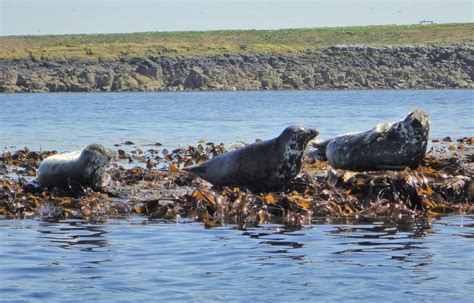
x: 261, y: 166
x: 95, y: 159
x: 387, y: 146
x: 86, y: 167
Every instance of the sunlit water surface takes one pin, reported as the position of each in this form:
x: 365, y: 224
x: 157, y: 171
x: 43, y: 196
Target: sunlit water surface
x: 70, y: 121
x: 135, y: 259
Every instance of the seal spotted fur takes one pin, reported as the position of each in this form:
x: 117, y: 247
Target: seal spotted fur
x: 86, y: 167
x: 387, y: 146
x: 261, y: 166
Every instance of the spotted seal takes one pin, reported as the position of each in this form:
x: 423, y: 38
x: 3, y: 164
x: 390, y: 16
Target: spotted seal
x: 387, y: 146
x: 86, y: 167
x: 261, y: 166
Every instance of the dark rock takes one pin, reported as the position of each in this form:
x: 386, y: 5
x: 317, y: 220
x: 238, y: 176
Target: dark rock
x: 78, y: 87
x: 195, y: 79
x: 150, y: 69
x: 447, y: 139
x: 338, y: 67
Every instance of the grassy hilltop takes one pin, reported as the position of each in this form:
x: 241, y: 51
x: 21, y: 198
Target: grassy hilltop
x: 196, y: 44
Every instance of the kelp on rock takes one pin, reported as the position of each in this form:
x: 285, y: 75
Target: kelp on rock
x: 151, y: 183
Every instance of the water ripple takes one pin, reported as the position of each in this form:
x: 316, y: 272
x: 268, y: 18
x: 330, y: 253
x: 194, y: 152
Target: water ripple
x: 184, y: 118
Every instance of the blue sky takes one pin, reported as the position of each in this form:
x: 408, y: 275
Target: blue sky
x: 40, y: 17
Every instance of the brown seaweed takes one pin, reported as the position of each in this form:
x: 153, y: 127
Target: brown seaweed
x: 151, y: 183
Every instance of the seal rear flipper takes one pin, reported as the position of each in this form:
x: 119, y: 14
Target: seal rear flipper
x: 319, y: 151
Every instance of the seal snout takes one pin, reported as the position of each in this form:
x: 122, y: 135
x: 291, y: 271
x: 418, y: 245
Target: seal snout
x: 311, y: 133
x: 307, y: 134
x: 418, y: 119
x: 100, y: 149
x: 299, y: 132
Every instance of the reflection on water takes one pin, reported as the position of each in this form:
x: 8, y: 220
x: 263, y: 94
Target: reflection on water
x: 75, y: 235
x: 147, y: 260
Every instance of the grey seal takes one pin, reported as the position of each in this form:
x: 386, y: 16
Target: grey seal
x: 261, y: 166
x: 86, y: 167
x: 387, y: 146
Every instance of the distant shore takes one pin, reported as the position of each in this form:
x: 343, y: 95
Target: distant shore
x: 384, y: 57
x: 341, y: 67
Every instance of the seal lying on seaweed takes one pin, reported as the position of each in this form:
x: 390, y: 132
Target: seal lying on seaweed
x: 387, y: 146
x: 265, y: 165
x: 86, y: 167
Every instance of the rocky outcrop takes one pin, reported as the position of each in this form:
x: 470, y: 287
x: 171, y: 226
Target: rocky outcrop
x: 338, y: 67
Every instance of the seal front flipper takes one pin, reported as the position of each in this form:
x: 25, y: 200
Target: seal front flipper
x: 199, y: 169
x: 377, y: 132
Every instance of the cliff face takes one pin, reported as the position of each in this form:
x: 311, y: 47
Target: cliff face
x: 339, y: 67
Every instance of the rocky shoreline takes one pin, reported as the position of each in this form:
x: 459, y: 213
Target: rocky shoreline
x: 337, y: 67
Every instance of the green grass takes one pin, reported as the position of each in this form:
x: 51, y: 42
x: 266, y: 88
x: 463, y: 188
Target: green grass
x: 191, y: 44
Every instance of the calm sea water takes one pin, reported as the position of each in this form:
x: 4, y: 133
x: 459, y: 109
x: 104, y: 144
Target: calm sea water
x: 135, y: 259
x: 138, y: 260
x: 70, y: 121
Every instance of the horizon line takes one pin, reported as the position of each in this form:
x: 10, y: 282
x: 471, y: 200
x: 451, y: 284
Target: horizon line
x: 236, y: 29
